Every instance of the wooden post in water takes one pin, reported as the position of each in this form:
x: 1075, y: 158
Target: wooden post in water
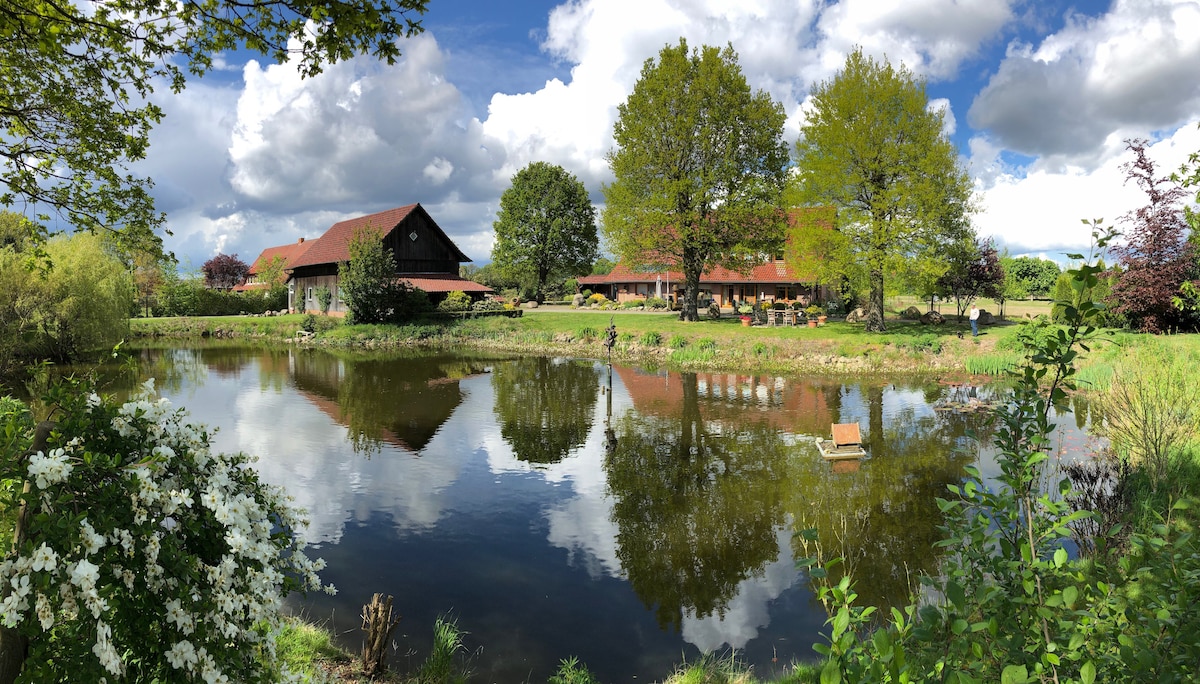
x: 379, y: 625
x: 13, y: 645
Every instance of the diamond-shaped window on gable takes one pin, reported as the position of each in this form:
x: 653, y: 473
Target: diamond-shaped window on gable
x: 413, y: 236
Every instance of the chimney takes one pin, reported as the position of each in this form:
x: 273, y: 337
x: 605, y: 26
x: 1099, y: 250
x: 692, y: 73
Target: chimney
x: 300, y: 241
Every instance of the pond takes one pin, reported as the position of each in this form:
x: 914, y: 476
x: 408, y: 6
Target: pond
x: 552, y: 516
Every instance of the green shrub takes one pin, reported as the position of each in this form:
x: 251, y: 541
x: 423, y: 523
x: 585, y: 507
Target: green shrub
x: 657, y: 303
x: 324, y: 298
x: 677, y: 342
x: 586, y: 333
x: 487, y: 304
x: 761, y: 350
x: 651, y: 338
x: 632, y: 304
x: 455, y: 302
x: 131, y: 467
x: 625, y: 337
x: 706, y: 344
x: 597, y: 299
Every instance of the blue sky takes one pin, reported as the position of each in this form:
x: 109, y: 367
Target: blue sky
x: 1039, y: 97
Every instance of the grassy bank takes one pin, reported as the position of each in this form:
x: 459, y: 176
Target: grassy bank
x: 661, y: 339
x: 309, y: 650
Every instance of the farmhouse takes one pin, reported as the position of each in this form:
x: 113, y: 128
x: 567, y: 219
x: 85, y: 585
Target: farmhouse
x: 285, y: 254
x: 425, y: 258
x: 772, y: 279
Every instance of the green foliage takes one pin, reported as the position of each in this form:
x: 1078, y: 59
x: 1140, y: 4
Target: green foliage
x: 597, y: 298
x: 77, y: 80
x: 603, y: 266
x: 324, y: 299
x: 1011, y: 606
x: 487, y: 304
x: 651, y: 338
x: 444, y: 664
x: 761, y: 350
x: 927, y: 342
x: 369, y: 286
x: 455, y: 301
x: 677, y: 342
x: 545, y: 229
x: 1149, y: 409
x: 79, y: 303
x: 872, y: 150
x: 189, y: 297
x: 699, y: 165
x: 1065, y: 293
x: 657, y: 303
x: 147, y: 557
x: 706, y: 344
x: 586, y: 333
x: 1029, y: 276
x: 991, y: 364
x: 570, y: 671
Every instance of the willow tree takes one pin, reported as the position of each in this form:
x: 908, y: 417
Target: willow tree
x: 872, y: 148
x: 699, y: 165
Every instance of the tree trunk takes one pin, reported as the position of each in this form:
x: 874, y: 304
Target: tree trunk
x: 14, y: 646
x: 874, y: 319
x: 692, y: 267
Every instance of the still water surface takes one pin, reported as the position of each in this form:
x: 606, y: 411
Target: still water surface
x: 632, y: 528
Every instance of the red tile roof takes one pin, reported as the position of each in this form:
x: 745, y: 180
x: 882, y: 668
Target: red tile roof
x: 772, y: 272
x: 289, y: 253
x: 446, y: 283
x: 334, y: 245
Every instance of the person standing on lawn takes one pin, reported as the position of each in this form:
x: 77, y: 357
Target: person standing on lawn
x: 974, y: 320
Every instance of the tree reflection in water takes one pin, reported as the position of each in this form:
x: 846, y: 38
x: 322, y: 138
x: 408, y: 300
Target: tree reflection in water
x: 696, y: 506
x: 545, y: 406
x: 395, y: 399
x: 882, y: 519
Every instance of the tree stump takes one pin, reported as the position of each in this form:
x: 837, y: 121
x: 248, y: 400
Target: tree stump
x: 379, y: 624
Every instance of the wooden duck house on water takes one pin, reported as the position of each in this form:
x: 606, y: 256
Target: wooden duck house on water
x: 845, y: 443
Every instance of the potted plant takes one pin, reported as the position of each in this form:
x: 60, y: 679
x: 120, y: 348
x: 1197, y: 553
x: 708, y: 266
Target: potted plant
x: 815, y: 315
x: 746, y: 310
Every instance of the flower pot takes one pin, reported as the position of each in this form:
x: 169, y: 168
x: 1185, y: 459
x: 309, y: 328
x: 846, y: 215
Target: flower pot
x: 746, y: 321
x: 812, y: 323
x: 821, y: 319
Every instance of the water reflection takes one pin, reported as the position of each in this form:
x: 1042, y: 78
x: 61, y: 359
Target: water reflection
x: 488, y: 487
x: 696, y: 505
x: 544, y: 406
x: 395, y: 400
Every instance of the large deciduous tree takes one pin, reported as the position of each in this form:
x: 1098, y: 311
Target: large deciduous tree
x: 1036, y: 277
x: 76, y: 79
x: 545, y: 229
x: 699, y: 165
x: 872, y: 148
x: 225, y: 271
x: 1156, y: 257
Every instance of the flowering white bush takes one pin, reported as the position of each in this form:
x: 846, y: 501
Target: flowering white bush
x: 147, y: 557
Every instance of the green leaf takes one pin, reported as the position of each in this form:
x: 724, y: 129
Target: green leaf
x: 1014, y: 674
x: 831, y: 673
x: 1070, y: 594
x: 1087, y: 673
x: 1060, y: 557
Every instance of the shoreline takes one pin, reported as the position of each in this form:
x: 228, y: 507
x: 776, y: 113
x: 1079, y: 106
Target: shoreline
x: 836, y: 349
